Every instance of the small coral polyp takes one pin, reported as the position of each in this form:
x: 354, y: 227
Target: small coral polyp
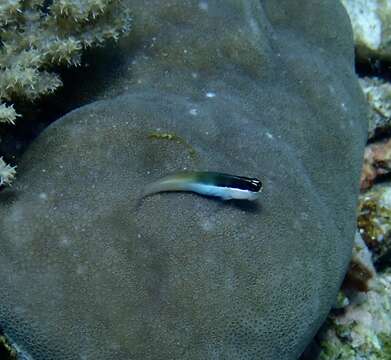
x: 7, y: 173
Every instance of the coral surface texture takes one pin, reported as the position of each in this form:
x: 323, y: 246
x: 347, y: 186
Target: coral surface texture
x: 255, y: 88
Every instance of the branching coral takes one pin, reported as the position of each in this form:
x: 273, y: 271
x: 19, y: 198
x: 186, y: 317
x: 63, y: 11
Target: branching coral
x: 7, y: 172
x: 8, y: 114
x: 37, y: 35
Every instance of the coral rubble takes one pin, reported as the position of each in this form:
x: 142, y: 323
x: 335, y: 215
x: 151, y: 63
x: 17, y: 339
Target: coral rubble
x: 371, y: 21
x: 362, y: 330
x: 378, y: 93
x: 374, y: 222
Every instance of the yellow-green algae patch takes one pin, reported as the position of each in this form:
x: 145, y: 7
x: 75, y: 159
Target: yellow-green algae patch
x: 169, y: 136
x: 374, y: 221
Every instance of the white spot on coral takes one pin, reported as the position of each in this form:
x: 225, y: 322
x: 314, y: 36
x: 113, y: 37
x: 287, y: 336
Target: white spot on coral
x: 193, y: 112
x: 64, y: 241
x: 343, y: 106
x: 43, y: 196
x: 203, y: 5
x: 207, y: 224
x: 210, y: 94
x: 194, y: 75
x: 269, y: 135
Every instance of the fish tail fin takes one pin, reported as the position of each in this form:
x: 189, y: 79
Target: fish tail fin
x: 163, y: 185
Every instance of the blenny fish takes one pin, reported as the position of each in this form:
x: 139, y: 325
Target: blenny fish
x: 207, y: 183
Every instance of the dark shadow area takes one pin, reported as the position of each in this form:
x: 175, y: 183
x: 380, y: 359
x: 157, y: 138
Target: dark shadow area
x: 243, y: 205
x: 384, y: 262
x: 246, y: 205
x: 384, y: 179
x: 7, y: 194
x: 373, y: 67
x: 380, y: 134
x: 314, y: 349
x: 311, y: 352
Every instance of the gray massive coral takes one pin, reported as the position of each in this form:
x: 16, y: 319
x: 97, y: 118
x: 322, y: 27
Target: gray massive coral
x: 257, y: 88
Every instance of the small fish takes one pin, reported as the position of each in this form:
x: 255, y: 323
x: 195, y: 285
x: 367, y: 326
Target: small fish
x: 208, y: 183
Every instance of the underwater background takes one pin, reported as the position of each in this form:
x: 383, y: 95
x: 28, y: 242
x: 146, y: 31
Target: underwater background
x: 100, y: 98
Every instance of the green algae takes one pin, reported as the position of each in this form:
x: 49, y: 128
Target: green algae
x: 341, y: 301
x: 386, y: 342
x: 170, y: 136
x: 374, y: 221
x: 334, y: 351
